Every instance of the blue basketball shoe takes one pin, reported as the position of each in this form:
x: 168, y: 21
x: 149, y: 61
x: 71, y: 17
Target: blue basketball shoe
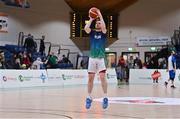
x: 105, y: 103
x: 88, y: 103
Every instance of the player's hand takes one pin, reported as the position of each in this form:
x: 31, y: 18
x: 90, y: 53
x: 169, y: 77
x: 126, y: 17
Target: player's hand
x: 90, y: 18
x: 167, y: 70
x: 99, y: 13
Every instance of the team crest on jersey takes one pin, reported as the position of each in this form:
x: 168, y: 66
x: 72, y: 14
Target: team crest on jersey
x: 97, y: 36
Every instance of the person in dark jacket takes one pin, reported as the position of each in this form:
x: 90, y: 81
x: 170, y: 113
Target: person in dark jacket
x: 29, y: 44
x: 42, y: 46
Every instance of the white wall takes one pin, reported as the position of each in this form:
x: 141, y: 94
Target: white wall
x: 45, y: 17
x: 146, y: 18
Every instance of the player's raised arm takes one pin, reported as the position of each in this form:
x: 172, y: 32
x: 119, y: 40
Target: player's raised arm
x: 87, y: 26
x: 103, y: 25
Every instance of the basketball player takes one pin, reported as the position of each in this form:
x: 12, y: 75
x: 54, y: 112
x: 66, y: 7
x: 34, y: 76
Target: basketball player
x: 171, y: 69
x: 97, y: 57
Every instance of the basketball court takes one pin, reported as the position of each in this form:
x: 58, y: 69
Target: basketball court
x: 51, y: 51
x: 69, y: 102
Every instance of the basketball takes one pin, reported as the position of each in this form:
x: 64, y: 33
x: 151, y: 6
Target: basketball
x: 93, y: 13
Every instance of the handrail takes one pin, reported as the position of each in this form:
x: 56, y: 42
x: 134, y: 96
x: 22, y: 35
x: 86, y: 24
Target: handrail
x: 56, y: 45
x: 49, y: 46
x: 21, y: 34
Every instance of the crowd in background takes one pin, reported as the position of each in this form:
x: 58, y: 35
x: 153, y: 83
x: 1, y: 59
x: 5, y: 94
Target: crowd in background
x: 27, y: 60
x: 123, y: 66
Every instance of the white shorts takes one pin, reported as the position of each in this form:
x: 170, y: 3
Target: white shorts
x: 96, y: 65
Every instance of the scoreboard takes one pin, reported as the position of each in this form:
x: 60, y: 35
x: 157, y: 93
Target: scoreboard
x: 79, y: 20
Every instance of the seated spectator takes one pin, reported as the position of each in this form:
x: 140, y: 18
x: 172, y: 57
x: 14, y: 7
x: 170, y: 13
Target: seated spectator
x: 65, y: 59
x: 2, y: 60
x: 84, y: 64
x: 37, y: 63
x: 23, y: 66
x: 26, y: 61
x: 17, y: 64
x: 52, y: 61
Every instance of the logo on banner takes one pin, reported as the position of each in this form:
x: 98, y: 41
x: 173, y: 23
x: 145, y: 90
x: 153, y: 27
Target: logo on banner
x: 43, y: 77
x: 22, y: 78
x: 142, y: 100
x: 4, y: 78
x: 152, y: 41
x: 111, y: 76
x: 70, y: 77
x: 63, y: 77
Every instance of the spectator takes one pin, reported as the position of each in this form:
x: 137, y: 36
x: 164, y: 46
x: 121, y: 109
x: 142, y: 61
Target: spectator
x: 42, y: 46
x: 144, y: 65
x: 17, y: 64
x: 52, y: 61
x: 156, y: 76
x: 121, y: 62
x: 137, y: 63
x: 162, y: 63
x: 84, y: 63
x: 2, y: 60
x: 37, y: 63
x: 120, y: 70
x: 26, y: 61
x: 29, y: 44
x: 65, y: 59
x: 131, y: 63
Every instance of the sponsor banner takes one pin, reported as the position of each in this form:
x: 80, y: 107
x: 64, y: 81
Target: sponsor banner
x: 3, y: 23
x: 33, y: 78
x: 22, y: 78
x: 153, y: 41
x: 9, y: 78
x: 72, y: 77
x: 144, y: 76
x: 110, y: 76
x: 1, y: 81
x: 142, y: 100
x: 51, y: 77
x: 54, y: 77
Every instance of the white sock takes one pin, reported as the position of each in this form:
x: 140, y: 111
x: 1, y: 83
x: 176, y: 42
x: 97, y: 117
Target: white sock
x: 105, y: 95
x: 89, y: 96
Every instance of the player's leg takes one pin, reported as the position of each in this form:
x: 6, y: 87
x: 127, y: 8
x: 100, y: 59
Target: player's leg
x: 104, y: 87
x: 172, y: 76
x: 157, y: 80
x: 166, y: 82
x: 102, y: 74
x: 90, y: 87
x: 91, y: 75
